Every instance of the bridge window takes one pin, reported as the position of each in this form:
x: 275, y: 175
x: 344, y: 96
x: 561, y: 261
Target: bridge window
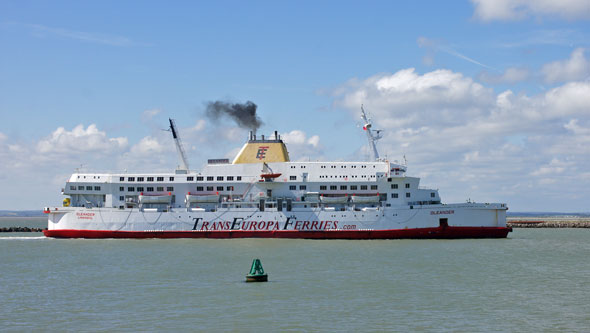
x: 120, y: 189
x: 343, y: 187
x: 169, y: 188
x: 432, y: 194
x: 190, y: 178
x: 333, y: 187
x: 303, y: 187
x: 73, y: 188
x: 363, y: 187
x: 292, y: 177
x: 292, y: 187
x: 97, y: 188
x: 199, y: 178
x: 230, y: 178
x: 229, y: 188
x: 407, y: 185
x: 150, y: 179
x: 121, y: 179
x: 407, y: 194
x: 130, y: 179
x: 171, y: 179
x: 139, y: 179
x: 219, y: 178
x: 394, y: 195
x: 160, y: 189
x: 88, y: 188
x: 239, y: 178
x: 353, y: 187
x: 131, y: 189
x: 160, y: 179
x: 209, y: 178
x: 150, y: 189
x: 210, y: 188
x: 220, y: 188
x: 373, y: 187
x: 140, y: 189
x: 199, y: 188
x: 323, y: 187
x: 394, y: 186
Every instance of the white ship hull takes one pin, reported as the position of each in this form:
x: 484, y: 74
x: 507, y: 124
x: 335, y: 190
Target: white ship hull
x: 469, y: 220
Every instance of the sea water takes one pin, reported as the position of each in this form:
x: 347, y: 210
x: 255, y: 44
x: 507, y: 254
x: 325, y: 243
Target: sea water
x: 536, y: 280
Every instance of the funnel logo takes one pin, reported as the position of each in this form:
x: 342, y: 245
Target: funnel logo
x: 261, y: 154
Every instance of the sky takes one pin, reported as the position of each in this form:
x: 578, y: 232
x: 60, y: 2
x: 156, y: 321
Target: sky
x: 488, y: 100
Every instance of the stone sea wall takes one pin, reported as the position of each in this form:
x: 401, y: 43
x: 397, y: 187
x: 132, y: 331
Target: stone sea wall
x: 548, y: 222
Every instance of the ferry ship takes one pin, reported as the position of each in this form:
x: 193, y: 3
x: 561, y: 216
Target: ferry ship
x: 261, y: 193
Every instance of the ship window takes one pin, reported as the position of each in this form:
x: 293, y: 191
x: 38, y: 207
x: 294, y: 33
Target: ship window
x: 373, y: 187
x: 199, y: 178
x: 199, y: 188
x: 239, y: 178
x: 150, y: 189
x: 407, y: 185
x: 140, y: 189
x: 394, y: 186
x: 230, y: 178
x: 73, y: 188
x: 333, y: 187
x: 139, y: 179
x: 323, y: 187
x: 88, y: 188
x: 97, y: 188
x: 160, y: 188
x: 292, y: 177
x: 229, y: 188
x: 292, y: 187
x: 432, y: 194
x: 150, y: 179
x: 171, y: 179
x: 343, y: 187
x: 353, y: 187
x: 160, y: 179
x: 302, y: 187
x: 209, y: 178
x: 407, y: 194
x: 219, y: 177
x: 169, y: 188
x: 210, y: 188
x: 394, y: 195
x: 220, y: 188
x: 131, y: 189
x: 121, y: 198
x: 120, y: 189
x: 190, y: 178
x: 121, y: 179
x: 130, y: 179
x: 363, y: 187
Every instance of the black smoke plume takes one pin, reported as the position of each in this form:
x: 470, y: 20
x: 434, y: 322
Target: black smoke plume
x: 243, y: 114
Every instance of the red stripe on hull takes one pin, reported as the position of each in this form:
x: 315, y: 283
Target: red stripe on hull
x: 421, y: 233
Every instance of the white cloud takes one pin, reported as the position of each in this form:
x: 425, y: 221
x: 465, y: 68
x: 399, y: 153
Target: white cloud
x: 473, y: 142
x: 148, y: 146
x: 147, y: 115
x: 79, y: 139
x: 510, y: 75
x: 577, y: 67
x: 301, y: 146
x: 490, y: 10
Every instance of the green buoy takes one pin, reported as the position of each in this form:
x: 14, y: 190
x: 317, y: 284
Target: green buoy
x: 256, y: 272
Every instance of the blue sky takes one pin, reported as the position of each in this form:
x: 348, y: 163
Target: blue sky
x: 488, y: 100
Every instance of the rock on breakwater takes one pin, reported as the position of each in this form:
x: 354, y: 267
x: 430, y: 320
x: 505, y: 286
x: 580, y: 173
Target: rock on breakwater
x: 21, y: 229
x: 548, y: 222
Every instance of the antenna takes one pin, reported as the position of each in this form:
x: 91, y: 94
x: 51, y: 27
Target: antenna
x: 179, y: 149
x: 372, y: 139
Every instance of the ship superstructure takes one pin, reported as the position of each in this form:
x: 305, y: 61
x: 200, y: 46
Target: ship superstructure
x: 261, y: 193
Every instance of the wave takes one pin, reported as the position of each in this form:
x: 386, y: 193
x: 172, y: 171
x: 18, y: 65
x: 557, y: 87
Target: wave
x: 23, y: 237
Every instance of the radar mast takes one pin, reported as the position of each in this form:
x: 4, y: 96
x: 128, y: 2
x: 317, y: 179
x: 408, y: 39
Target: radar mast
x: 372, y: 135
x: 181, y: 155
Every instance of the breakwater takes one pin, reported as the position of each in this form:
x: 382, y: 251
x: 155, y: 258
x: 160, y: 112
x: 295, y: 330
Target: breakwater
x: 21, y: 229
x: 548, y: 222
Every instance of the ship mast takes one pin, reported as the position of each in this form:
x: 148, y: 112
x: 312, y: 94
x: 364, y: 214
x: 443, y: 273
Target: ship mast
x: 372, y: 138
x: 181, y: 155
